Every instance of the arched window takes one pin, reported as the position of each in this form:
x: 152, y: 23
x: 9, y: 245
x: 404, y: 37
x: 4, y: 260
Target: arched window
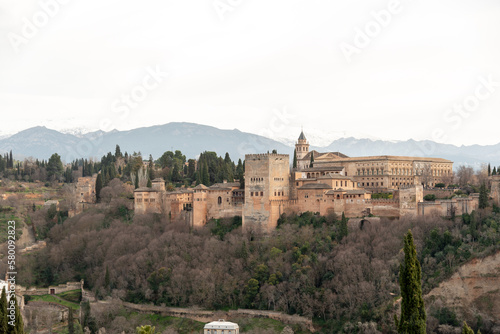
x: 219, y: 200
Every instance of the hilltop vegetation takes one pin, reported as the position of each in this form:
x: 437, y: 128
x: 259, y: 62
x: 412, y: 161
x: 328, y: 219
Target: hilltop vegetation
x: 311, y: 265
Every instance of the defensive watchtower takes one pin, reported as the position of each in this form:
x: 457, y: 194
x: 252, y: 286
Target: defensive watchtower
x: 267, y: 183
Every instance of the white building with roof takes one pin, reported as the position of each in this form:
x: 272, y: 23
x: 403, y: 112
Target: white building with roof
x: 221, y: 327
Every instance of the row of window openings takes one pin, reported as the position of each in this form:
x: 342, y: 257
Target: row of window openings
x: 318, y: 174
x: 256, y: 193
x: 256, y: 179
x: 370, y: 172
x: 400, y: 172
x: 401, y: 183
x: 373, y: 184
x: 151, y: 200
x: 338, y: 196
x: 347, y: 200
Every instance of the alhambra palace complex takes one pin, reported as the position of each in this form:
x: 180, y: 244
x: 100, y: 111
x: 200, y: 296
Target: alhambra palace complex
x: 331, y: 183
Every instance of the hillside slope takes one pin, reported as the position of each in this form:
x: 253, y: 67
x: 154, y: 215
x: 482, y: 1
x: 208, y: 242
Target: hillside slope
x: 473, y: 292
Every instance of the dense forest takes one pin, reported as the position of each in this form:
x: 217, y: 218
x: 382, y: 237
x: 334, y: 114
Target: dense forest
x: 342, y: 276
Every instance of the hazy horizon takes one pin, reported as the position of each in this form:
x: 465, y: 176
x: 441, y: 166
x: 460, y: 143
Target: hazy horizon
x: 290, y: 140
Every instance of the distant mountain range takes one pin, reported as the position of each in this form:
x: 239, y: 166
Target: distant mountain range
x: 192, y: 139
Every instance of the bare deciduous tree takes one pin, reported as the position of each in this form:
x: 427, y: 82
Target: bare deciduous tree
x: 465, y: 175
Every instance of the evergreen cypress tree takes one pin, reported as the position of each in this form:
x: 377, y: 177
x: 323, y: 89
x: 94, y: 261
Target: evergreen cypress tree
x: 11, y: 163
x: 98, y: 187
x: 118, y: 152
x: 312, y: 160
x: 413, y: 315
x: 242, y: 179
x: 3, y: 312
x: 483, y: 196
x: 83, y: 167
x: 151, y: 168
x: 294, y: 158
x: 494, y: 172
x: 106, y: 177
x: 205, y: 176
x: 89, y: 168
x: 136, y: 183
x: 343, y: 231
x: 489, y: 169
x: 18, y: 327
x: 149, y: 185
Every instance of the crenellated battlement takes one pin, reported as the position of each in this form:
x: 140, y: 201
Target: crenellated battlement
x: 381, y: 200
x: 265, y: 155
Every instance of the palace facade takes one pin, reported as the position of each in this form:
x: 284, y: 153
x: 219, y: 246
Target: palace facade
x: 327, y: 183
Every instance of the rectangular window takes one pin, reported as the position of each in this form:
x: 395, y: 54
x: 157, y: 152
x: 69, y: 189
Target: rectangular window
x: 251, y: 193
x: 261, y: 193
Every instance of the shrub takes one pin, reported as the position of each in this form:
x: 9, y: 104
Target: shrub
x: 430, y: 197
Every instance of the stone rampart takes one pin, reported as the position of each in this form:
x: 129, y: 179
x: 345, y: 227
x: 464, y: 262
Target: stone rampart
x: 207, y: 316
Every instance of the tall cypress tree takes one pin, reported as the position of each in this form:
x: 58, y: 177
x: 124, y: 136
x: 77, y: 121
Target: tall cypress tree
x: 98, y: 187
x: 151, y: 168
x: 136, y: 183
x: 18, y: 327
x: 413, y: 315
x: 343, y: 231
x: 489, y: 169
x: 294, y: 158
x: 483, y: 196
x: 3, y: 312
x: 312, y: 160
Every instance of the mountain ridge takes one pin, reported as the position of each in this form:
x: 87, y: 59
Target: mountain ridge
x: 41, y: 142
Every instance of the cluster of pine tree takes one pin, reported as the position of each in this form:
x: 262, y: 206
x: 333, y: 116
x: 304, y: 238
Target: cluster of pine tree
x: 212, y: 169
x: 6, y: 162
x: 172, y: 166
x: 495, y: 171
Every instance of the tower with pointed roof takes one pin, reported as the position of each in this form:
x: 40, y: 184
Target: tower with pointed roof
x: 302, y: 146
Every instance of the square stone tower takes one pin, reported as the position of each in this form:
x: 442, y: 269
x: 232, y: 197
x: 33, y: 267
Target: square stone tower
x: 267, y: 187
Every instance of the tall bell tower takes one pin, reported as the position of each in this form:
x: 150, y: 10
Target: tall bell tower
x: 302, y: 146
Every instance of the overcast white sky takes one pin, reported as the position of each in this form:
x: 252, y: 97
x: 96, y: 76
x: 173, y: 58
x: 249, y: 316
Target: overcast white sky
x: 267, y: 67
